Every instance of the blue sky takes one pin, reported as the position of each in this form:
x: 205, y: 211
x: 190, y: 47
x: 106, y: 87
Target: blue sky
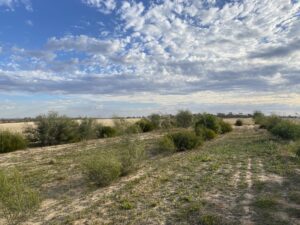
x: 104, y: 58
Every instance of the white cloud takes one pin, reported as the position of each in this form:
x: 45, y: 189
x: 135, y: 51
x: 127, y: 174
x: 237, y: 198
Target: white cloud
x: 104, y: 6
x: 29, y: 23
x: 11, y: 4
x: 174, y: 51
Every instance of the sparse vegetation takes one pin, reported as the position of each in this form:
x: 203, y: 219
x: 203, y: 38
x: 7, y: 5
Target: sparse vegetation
x: 17, y: 201
x: 191, y: 187
x: 11, y: 142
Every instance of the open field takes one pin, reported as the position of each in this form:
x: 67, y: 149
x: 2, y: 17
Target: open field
x: 244, y: 177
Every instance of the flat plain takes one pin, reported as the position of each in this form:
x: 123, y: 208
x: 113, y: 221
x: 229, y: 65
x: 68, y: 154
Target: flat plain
x: 243, y: 177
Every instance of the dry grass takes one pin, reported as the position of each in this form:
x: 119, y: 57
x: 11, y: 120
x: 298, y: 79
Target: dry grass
x: 227, y: 181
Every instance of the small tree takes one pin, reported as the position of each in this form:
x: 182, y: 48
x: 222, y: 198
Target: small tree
x: 87, y: 129
x: 184, y: 118
x: 209, y: 121
x: 53, y: 129
x: 155, y: 120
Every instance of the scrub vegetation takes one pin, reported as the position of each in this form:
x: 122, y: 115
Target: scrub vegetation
x: 158, y: 170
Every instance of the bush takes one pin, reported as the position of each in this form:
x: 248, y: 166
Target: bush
x: 286, y: 130
x: 298, y: 151
x: 130, y: 154
x: 133, y: 129
x: 102, y: 169
x: 205, y: 133
x: 145, y: 125
x: 166, y: 145
x: 11, y: 141
x: 121, y: 125
x: 168, y: 122
x: 239, y: 122
x: 53, y: 129
x: 184, y: 118
x: 258, y: 117
x: 86, y: 129
x: 155, y: 120
x: 105, y: 131
x: 209, y: 121
x: 185, y: 140
x: 17, y: 201
x: 225, y: 127
x: 268, y: 122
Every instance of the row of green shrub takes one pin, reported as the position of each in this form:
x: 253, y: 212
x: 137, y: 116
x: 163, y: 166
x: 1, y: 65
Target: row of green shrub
x: 54, y: 129
x: 278, y: 126
x: 206, y: 128
x: 107, y: 166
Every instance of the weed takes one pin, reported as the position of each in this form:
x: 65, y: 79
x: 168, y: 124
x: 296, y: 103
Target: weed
x: 17, y: 201
x: 265, y: 202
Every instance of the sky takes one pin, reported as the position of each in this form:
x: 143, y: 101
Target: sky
x: 104, y: 58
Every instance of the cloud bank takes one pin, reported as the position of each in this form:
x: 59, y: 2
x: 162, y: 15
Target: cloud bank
x: 170, y: 48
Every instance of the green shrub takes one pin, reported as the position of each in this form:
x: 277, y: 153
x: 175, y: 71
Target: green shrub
x: 17, y: 201
x: 133, y: 129
x: 270, y: 121
x: 185, y: 140
x: 298, y: 150
x: 184, y: 118
x: 11, y: 141
x: 105, y: 131
x: 121, y: 125
x: 145, y: 125
x: 225, y: 127
x: 130, y: 154
x: 167, y: 122
x: 205, y: 133
x: 166, y: 145
x: 286, y: 130
x: 102, y: 169
x: 86, y: 129
x: 239, y: 122
x: 155, y: 120
x: 258, y: 117
x: 209, y: 121
x: 53, y: 129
